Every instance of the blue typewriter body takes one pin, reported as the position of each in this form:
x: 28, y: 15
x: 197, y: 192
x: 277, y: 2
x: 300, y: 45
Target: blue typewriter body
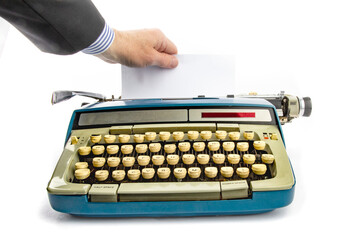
x: 261, y: 196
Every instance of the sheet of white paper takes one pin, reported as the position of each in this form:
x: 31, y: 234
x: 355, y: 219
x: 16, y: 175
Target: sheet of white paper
x: 209, y: 75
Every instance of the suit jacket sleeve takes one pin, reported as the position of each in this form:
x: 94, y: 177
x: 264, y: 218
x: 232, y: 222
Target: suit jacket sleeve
x: 55, y: 26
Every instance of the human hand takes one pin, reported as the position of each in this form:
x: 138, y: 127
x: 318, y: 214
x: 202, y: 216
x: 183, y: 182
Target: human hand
x: 141, y: 48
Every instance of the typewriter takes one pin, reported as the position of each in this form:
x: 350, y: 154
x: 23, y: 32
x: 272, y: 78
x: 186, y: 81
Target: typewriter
x: 176, y: 157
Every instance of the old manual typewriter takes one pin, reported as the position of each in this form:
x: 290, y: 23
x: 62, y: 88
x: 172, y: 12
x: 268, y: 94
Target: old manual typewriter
x: 176, y: 157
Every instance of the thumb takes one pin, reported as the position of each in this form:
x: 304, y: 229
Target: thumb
x: 165, y: 60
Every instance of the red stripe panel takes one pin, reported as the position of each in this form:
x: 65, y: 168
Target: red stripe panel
x: 227, y: 115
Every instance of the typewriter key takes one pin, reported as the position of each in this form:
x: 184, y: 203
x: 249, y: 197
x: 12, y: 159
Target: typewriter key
x: 148, y: 173
x: 98, y: 162
x: 158, y: 159
x: 127, y: 149
x: 128, y: 161
x: 170, y: 148
x: 228, y: 146
x: 233, y: 158
x: 249, y: 158
x: 192, y: 135
x: 219, y: 158
x: 95, y: 138
x: 133, y: 174
x: 172, y: 159
x: 98, y: 149
x: 259, y: 145
x: 112, y: 149
x: 139, y: 138
x: 118, y: 175
x: 143, y: 160
x: 163, y: 172
x: 84, y: 151
x: 188, y: 159
x: 184, y: 146
x: 150, y: 136
x: 203, y: 158
x: 109, y: 138
x: 242, y: 146
x: 180, y: 173
x: 82, y: 174
x: 164, y: 136
x: 259, y: 169
x: 177, y: 136
x: 81, y: 165
x: 213, y: 146
x: 199, y: 146
x: 267, y: 158
x: 74, y: 140
x: 242, y: 172
x: 227, y: 172
x: 124, y: 138
x: 234, y: 135
x: 113, y: 161
x: 220, y: 135
x: 101, y: 175
x: 248, y: 135
x: 141, y: 148
x: 205, y: 135
x: 155, y: 147
x: 194, y: 172
x: 211, y: 172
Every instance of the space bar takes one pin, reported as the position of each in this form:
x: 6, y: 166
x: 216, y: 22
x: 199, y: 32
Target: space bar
x: 169, y: 191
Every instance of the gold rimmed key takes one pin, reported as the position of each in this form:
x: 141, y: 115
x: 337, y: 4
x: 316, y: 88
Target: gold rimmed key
x: 118, y: 175
x: 113, y: 161
x: 199, y: 146
x: 205, y: 135
x: 267, y: 158
x: 259, y: 169
x: 112, y: 149
x: 128, y: 161
x: 158, y: 159
x: 84, y: 151
x: 133, y: 174
x: 213, y: 146
x: 203, y: 158
x: 150, y: 136
x: 194, y: 172
x: 139, y: 138
x: 184, y: 146
x: 188, y: 159
x: 242, y: 146
x: 98, y: 149
x: 109, y: 138
x: 180, y: 173
x: 101, y: 175
x: 249, y: 135
x: 82, y: 174
x: 234, y: 136
x: 193, y: 135
x: 233, y: 158
x: 95, y: 138
x: 163, y: 172
x: 127, y: 149
x: 249, y: 158
x: 242, y: 172
x: 124, y: 138
x: 147, y: 173
x: 154, y: 147
x: 164, y: 136
x: 81, y: 165
x: 220, y: 134
x: 218, y: 158
x: 211, y: 172
x: 228, y: 146
x: 227, y: 172
x: 259, y: 145
x: 141, y: 148
x: 169, y: 148
x: 177, y: 136
x: 143, y: 160
x: 98, y: 162
x: 172, y: 159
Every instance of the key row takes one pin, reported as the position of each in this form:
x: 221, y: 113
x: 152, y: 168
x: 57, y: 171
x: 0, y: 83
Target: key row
x: 165, y: 172
x: 169, y: 148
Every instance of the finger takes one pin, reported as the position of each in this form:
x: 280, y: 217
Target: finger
x: 170, y: 47
x: 165, y: 60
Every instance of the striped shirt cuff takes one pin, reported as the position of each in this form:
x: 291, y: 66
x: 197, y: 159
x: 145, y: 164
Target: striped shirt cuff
x: 102, y: 43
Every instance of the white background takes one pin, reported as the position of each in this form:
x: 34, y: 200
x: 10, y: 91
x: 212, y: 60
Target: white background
x: 307, y: 48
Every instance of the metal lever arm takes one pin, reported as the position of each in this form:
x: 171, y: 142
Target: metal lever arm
x: 59, y: 96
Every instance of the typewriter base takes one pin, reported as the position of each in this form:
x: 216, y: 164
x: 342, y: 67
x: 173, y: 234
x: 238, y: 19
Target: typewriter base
x: 259, y: 203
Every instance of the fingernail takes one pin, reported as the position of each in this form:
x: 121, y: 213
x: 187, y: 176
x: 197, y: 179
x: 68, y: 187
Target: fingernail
x: 174, y: 62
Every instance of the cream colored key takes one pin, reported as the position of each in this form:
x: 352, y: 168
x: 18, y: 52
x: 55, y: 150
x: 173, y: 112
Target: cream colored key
x: 98, y: 149
x: 148, y: 173
x: 194, y: 172
x: 180, y: 173
x: 213, y: 146
x: 184, y: 146
x: 211, y: 172
x: 141, y: 148
x: 234, y: 135
x: 199, y: 146
x: 193, y: 135
x: 248, y: 135
x: 259, y: 145
x: 203, y: 158
x: 177, y: 136
x: 81, y: 165
x: 249, y: 158
x: 259, y: 169
x: 109, y: 138
x: 150, y: 136
x: 113, y: 161
x: 82, y: 174
x: 228, y: 146
x: 242, y: 146
x: 155, y: 147
x: 84, y: 151
x: 219, y: 158
x: 124, y: 138
x: 205, y: 135
x: 158, y: 159
x: 139, y: 138
x: 98, y: 162
x: 95, y: 138
x: 220, y: 134
x: 227, y: 172
x: 188, y: 158
x: 143, y: 160
x: 242, y: 172
x: 164, y: 136
x: 112, y: 149
x: 127, y: 149
x: 169, y: 148
x: 133, y: 174
x: 128, y: 161
x: 233, y: 158
x: 163, y: 172
x: 74, y: 140
x: 172, y: 159
x: 118, y: 175
x: 267, y: 158
x: 101, y: 175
